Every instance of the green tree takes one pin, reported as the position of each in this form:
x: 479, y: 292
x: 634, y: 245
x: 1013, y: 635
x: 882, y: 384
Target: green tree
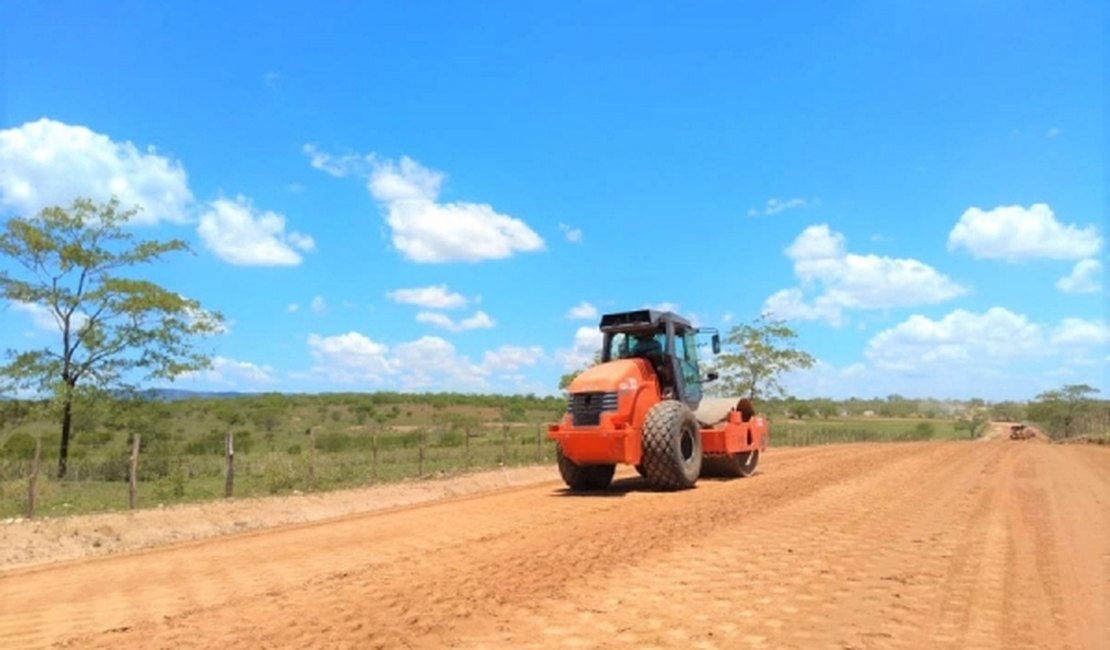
x: 973, y: 421
x: 1059, y: 408
x: 757, y: 355
x: 112, y: 328
x: 826, y: 408
x: 566, y: 380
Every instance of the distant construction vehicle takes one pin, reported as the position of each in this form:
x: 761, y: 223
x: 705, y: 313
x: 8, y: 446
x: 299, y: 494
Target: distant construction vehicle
x: 643, y: 406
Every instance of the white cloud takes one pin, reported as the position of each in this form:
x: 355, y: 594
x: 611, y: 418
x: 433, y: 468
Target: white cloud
x: 231, y: 372
x: 1053, y: 132
x: 302, y: 242
x: 1077, y: 332
x: 775, y: 206
x: 1085, y: 277
x: 240, y: 235
x: 959, y: 340
x: 1015, y: 233
x: 583, y: 311
x: 338, y: 166
x: 790, y: 304
x: 431, y: 362
x: 433, y: 297
x: 426, y: 363
x: 425, y: 230
x: 817, y: 243
x: 509, y: 358
x: 292, y: 307
x: 573, y: 235
x: 208, y: 318
x: 47, y: 163
x: 587, y: 343
x: 480, y: 320
x: 664, y: 306
x: 848, y: 281
x: 42, y: 318
x: 318, y: 304
x: 350, y: 357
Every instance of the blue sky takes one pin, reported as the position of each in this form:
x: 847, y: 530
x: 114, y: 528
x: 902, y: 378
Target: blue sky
x: 445, y: 195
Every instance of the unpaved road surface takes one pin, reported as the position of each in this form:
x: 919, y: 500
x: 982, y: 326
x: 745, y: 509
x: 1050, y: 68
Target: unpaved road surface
x: 950, y: 545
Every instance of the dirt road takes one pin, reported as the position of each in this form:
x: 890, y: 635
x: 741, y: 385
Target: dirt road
x: 952, y: 545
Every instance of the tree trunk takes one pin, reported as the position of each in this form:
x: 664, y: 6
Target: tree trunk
x: 133, y: 471
x: 229, y: 454
x: 67, y: 422
x: 32, y: 482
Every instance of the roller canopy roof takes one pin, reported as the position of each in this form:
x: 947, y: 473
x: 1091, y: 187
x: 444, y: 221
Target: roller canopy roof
x: 631, y: 321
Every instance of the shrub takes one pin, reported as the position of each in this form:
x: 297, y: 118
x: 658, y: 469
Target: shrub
x: 19, y: 446
x: 332, y: 441
x: 513, y: 413
x: 212, y: 443
x: 450, y: 439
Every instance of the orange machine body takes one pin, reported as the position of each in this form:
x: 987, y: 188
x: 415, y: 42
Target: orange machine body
x: 617, y: 435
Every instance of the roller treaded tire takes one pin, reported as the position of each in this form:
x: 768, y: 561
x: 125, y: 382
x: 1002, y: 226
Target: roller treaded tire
x: 738, y: 465
x: 583, y: 478
x: 671, y: 446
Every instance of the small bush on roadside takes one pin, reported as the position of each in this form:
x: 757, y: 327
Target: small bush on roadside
x: 332, y: 441
x: 213, y: 443
x: 449, y: 439
x: 19, y: 446
x: 172, y: 486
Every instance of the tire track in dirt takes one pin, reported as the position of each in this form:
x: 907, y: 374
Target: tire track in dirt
x: 119, y: 592
x: 900, y: 545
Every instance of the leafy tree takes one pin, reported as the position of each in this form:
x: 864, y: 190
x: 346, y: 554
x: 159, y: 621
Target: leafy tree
x: 566, y: 380
x: 759, y: 353
x: 112, y: 328
x: 973, y: 420
x: 897, y: 406
x: 825, y: 408
x: 1008, y: 411
x: 1061, y: 407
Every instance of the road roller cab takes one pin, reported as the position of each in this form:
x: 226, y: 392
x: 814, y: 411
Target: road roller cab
x: 643, y: 405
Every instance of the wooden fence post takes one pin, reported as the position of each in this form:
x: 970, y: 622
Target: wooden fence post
x: 420, y: 459
x: 229, y: 452
x: 466, y: 447
x: 539, y: 442
x: 133, y: 471
x: 504, y: 444
x: 32, y: 481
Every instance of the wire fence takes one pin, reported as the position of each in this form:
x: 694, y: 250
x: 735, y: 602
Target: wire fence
x: 322, y: 463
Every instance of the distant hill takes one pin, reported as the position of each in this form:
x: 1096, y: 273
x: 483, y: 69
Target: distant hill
x: 168, y: 395
x: 177, y: 394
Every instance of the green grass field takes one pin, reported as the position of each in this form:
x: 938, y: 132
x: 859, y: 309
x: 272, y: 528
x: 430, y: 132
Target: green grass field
x: 358, y: 440
x: 833, y: 430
